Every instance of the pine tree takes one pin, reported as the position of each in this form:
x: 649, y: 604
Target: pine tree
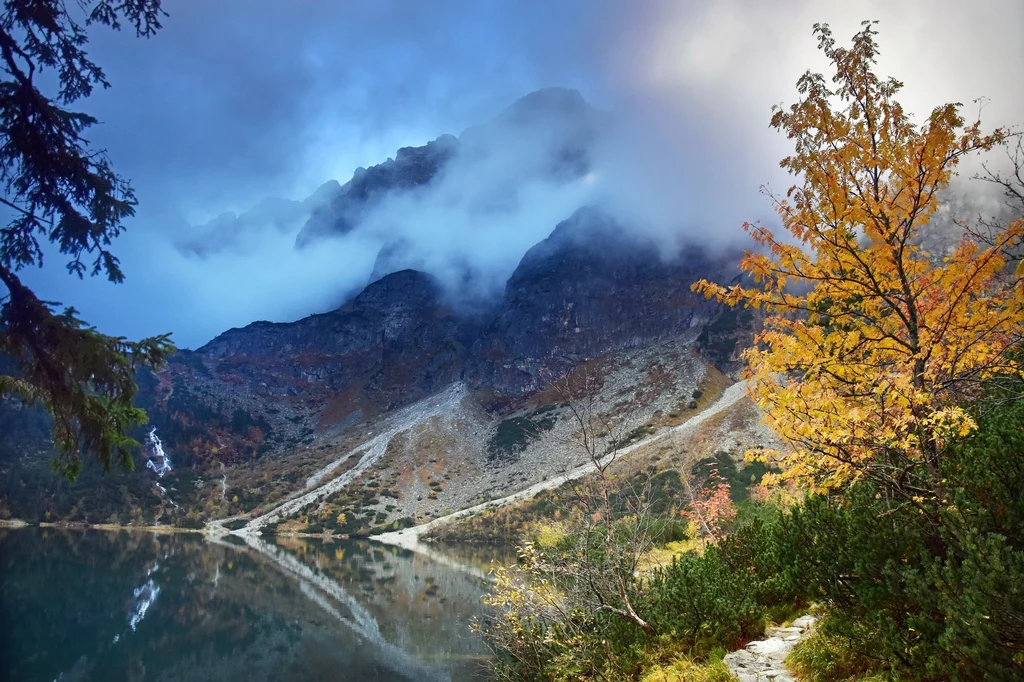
x: 59, y: 189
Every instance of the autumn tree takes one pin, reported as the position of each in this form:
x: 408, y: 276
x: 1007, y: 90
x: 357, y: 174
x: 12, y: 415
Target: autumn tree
x: 612, y: 537
x: 58, y: 189
x: 872, y: 345
x: 557, y: 608
x: 710, y: 509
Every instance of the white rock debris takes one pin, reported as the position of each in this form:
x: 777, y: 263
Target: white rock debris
x: 409, y: 538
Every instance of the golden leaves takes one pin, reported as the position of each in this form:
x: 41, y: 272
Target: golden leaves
x: 869, y: 343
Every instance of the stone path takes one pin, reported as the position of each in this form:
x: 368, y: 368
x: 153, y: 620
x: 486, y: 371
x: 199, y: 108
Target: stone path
x: 762, y: 661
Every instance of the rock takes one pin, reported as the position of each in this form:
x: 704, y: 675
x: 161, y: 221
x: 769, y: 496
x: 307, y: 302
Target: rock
x: 741, y: 658
x: 341, y: 209
x: 804, y: 622
x: 768, y: 648
x: 785, y: 632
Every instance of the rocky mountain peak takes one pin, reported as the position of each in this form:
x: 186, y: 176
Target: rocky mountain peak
x: 547, y: 104
x: 544, y: 135
x: 348, y: 204
x: 590, y: 288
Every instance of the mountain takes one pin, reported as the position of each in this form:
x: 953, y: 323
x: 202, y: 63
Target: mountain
x: 547, y: 136
x: 347, y: 204
x: 394, y: 343
x: 425, y: 396
x: 589, y: 289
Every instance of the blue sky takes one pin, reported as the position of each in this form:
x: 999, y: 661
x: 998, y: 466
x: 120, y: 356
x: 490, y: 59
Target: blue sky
x: 233, y: 102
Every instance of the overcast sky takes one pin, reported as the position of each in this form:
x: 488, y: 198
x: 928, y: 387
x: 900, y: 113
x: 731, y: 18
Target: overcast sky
x: 235, y: 101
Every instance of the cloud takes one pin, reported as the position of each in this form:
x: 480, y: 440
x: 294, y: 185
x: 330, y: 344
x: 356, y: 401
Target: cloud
x: 503, y: 187
x: 699, y: 80
x: 232, y: 104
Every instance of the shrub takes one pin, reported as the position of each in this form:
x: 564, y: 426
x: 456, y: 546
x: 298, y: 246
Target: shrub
x: 688, y: 670
x: 928, y: 589
x: 544, y: 629
x: 825, y: 658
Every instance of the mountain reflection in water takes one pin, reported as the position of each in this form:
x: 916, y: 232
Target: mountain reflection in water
x: 92, y: 605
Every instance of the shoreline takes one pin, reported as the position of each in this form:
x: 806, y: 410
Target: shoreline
x: 412, y: 538
x: 169, y: 530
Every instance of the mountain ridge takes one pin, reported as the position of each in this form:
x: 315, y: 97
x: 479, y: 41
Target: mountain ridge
x: 265, y: 405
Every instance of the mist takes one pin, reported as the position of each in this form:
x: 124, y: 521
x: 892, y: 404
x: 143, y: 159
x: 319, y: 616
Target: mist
x: 223, y: 111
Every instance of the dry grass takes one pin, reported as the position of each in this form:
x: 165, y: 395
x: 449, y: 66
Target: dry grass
x: 662, y: 556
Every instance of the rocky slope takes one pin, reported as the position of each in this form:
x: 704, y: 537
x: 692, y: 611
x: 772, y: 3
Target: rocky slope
x: 591, y: 288
x: 395, y: 342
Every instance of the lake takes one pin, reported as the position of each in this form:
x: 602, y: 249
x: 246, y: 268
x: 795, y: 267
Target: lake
x: 104, y: 606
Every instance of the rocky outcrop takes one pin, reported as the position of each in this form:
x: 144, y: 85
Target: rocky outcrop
x: 591, y: 288
x: 412, y: 167
x: 396, y: 341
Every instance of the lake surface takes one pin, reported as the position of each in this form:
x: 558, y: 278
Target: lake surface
x: 94, y: 605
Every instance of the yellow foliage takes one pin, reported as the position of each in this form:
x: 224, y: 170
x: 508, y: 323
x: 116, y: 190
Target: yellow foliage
x: 870, y: 343
x: 685, y: 670
x: 662, y: 556
x: 548, y: 535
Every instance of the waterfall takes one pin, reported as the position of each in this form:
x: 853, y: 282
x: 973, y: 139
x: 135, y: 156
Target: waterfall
x: 158, y: 460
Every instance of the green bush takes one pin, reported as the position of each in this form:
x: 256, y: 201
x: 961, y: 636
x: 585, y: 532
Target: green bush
x: 515, y: 433
x: 725, y: 595
x: 932, y: 589
x: 701, y: 601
